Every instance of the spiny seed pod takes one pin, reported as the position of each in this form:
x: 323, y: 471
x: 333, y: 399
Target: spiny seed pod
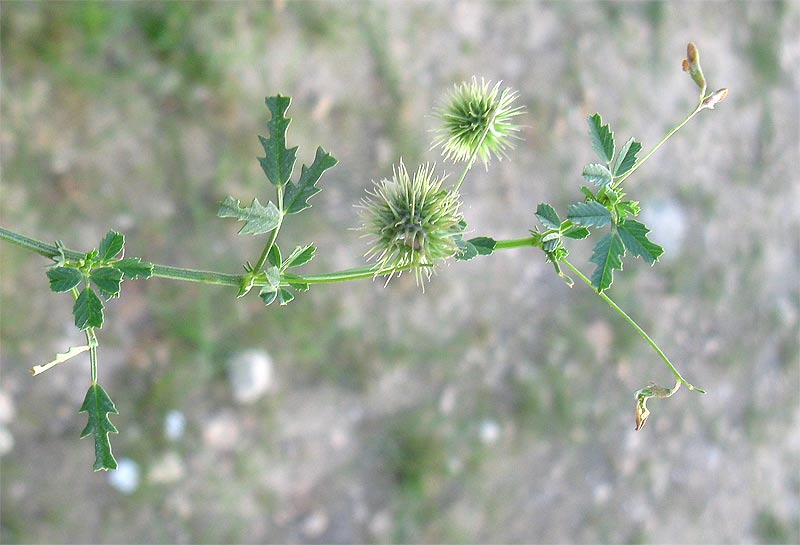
x: 413, y: 221
x: 478, y: 119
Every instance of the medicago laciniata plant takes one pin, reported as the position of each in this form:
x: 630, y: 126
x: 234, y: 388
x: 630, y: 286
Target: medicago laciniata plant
x: 414, y: 219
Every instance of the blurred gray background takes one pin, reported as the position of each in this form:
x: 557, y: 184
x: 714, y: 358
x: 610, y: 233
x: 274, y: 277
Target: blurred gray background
x: 495, y: 407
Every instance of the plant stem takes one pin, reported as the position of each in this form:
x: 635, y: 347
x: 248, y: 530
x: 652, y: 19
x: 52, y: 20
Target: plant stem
x: 204, y: 277
x: 633, y: 323
x: 274, y: 235
x: 675, y: 129
x: 514, y: 243
x: 345, y: 275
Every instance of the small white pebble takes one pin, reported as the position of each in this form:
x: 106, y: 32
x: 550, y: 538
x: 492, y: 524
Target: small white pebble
x: 126, y: 477
x: 490, y: 432
x: 174, y: 425
x: 250, y: 375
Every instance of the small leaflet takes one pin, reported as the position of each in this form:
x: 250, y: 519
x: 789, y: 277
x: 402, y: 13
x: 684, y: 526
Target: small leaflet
x: 111, y: 245
x: 607, y: 256
x: 258, y: 218
x: 279, y: 160
x: 602, y: 138
x: 107, y: 280
x: 589, y: 214
x: 548, y: 216
x: 63, y: 278
x: 627, y: 157
x: 133, y: 268
x: 597, y: 174
x: 296, y: 198
x: 634, y: 236
x: 88, y: 310
x: 98, y: 405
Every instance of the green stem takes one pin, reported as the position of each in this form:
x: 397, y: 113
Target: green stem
x: 346, y: 275
x: 633, y: 323
x: 514, y: 243
x: 675, y: 129
x: 274, y: 235
x: 205, y: 277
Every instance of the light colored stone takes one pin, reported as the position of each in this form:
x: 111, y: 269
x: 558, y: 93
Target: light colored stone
x: 167, y: 470
x: 250, y: 374
x: 126, y: 477
x: 222, y: 431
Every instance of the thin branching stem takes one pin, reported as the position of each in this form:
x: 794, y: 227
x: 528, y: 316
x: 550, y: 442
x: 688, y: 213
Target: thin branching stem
x: 633, y: 324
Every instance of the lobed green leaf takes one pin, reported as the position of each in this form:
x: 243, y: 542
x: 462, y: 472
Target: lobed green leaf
x: 268, y: 295
x: 634, y: 236
x: 589, y: 214
x: 133, y: 268
x: 296, y: 198
x: 597, y: 174
x: 63, y: 278
x: 483, y: 245
x: 576, y: 232
x: 284, y: 296
x: 98, y: 405
x: 627, y: 157
x: 88, y: 310
x: 279, y: 160
x: 107, y: 280
x: 602, y: 138
x: 607, y: 256
x: 258, y: 218
x: 274, y: 256
x: 299, y: 286
x: 628, y: 207
x: 111, y: 245
x: 548, y: 216
x: 300, y: 256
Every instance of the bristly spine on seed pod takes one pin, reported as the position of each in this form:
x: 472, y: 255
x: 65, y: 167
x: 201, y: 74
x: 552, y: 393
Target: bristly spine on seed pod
x: 477, y: 122
x: 412, y: 220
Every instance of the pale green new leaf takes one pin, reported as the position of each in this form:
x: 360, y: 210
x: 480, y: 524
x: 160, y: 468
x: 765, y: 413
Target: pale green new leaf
x: 602, y: 138
x: 607, y: 256
x: 88, y: 310
x: 279, y: 160
x: 111, y: 245
x: 597, y: 174
x: 258, y: 218
x: 548, y: 216
x: 634, y: 236
x: 627, y: 157
x: 63, y: 278
x: 296, y: 198
x: 99, y: 405
x: 589, y: 214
